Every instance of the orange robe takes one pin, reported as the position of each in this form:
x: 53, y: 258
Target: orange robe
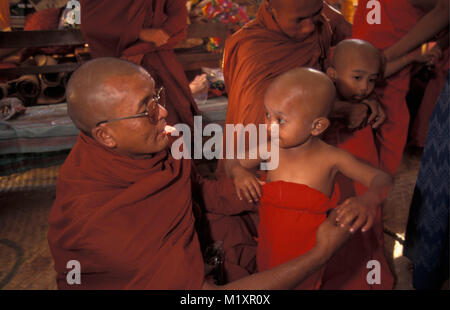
x: 112, y: 30
x: 130, y: 223
x: 397, y: 18
x: 290, y: 215
x: 259, y: 52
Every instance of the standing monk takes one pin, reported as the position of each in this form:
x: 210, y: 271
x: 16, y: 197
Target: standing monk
x: 285, y: 34
x: 145, y: 32
x: 398, y: 17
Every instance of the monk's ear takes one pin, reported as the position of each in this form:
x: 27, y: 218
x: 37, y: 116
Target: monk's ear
x: 319, y: 125
x: 331, y: 72
x: 102, y: 135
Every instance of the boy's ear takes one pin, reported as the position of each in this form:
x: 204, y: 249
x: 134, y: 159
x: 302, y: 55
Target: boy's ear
x: 331, y: 72
x: 103, y: 136
x: 320, y: 125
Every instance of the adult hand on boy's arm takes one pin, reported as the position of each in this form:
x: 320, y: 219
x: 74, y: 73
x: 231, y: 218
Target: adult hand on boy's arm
x: 358, y: 212
x: 329, y: 239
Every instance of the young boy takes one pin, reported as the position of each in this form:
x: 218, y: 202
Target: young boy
x: 299, y: 192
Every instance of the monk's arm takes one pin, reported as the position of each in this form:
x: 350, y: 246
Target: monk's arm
x: 289, y: 275
x: 398, y: 64
x: 354, y: 114
x: 427, y: 27
x: 174, y: 28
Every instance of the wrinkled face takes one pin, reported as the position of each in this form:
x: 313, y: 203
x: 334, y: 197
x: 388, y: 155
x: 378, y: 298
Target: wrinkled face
x: 293, y: 118
x: 356, y: 79
x: 139, y: 136
x: 297, y: 18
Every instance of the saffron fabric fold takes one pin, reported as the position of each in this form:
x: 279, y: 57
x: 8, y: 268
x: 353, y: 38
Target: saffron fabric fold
x: 130, y: 222
x: 112, y: 29
x: 290, y: 215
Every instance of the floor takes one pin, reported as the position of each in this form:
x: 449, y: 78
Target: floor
x: 25, y: 261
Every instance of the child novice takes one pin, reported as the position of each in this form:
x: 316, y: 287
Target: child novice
x: 298, y: 193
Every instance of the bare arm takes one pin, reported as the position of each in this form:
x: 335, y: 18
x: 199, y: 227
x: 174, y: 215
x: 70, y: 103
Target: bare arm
x: 396, y: 65
x: 378, y: 182
x: 289, y: 275
x: 428, y: 26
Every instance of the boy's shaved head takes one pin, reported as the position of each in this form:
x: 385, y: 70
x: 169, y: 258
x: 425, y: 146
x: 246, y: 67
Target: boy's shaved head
x: 305, y: 88
x: 347, y: 50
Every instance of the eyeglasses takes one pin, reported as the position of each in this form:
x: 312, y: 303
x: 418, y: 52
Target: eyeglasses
x: 151, y: 109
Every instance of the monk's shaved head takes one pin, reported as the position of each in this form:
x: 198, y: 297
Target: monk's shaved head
x: 305, y: 88
x: 97, y: 87
x: 346, y: 51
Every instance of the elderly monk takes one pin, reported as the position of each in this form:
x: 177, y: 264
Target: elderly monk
x: 124, y: 207
x: 145, y: 32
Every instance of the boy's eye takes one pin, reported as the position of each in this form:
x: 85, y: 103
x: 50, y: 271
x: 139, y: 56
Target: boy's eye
x: 357, y: 77
x: 372, y: 80
x: 268, y: 115
x: 281, y: 121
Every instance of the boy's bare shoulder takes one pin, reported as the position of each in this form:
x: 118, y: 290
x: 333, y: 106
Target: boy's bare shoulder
x: 331, y: 153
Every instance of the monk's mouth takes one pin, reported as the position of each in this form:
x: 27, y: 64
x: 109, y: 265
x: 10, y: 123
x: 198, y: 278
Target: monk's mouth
x: 358, y: 98
x: 162, y: 128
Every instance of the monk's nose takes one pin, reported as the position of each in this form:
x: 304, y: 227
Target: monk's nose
x: 162, y: 112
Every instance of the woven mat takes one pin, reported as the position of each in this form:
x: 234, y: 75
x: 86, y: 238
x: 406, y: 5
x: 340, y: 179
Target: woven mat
x: 34, y: 179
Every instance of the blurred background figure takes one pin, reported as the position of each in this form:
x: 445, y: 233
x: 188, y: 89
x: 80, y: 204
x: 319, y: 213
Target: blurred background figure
x: 4, y: 16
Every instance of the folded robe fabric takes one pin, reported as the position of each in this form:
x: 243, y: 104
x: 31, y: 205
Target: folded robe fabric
x: 112, y: 30
x: 290, y: 215
x: 397, y: 18
x: 130, y: 222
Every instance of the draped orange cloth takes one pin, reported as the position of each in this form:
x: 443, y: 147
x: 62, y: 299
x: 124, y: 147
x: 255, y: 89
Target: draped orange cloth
x: 290, y: 215
x: 130, y: 222
x: 260, y: 51
x: 112, y: 30
x: 4, y: 15
x: 397, y: 18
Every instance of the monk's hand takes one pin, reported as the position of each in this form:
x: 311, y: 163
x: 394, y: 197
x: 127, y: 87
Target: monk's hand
x: 247, y: 185
x: 330, y: 236
x: 377, y: 115
x: 157, y: 36
x: 357, y: 116
x: 357, y: 212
